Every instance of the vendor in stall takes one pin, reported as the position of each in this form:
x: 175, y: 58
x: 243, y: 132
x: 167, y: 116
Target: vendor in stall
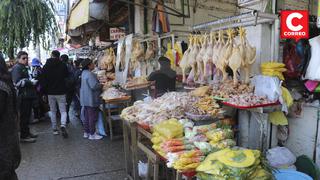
x: 165, y: 78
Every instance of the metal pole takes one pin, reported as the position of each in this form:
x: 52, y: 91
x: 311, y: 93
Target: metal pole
x: 225, y: 20
x: 242, y: 24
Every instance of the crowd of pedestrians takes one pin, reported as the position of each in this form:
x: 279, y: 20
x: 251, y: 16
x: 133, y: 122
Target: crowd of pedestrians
x: 29, y: 91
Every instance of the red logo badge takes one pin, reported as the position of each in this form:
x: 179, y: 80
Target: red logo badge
x: 295, y: 24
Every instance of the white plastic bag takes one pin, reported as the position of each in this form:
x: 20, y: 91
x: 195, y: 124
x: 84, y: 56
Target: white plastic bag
x: 267, y: 86
x: 143, y: 169
x: 280, y: 157
x: 100, y: 125
x: 314, y: 64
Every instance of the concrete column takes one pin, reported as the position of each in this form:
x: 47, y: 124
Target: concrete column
x: 138, y: 18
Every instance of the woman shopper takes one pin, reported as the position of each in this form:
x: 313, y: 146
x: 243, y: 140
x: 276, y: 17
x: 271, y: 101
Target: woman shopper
x: 9, y: 140
x: 90, y: 99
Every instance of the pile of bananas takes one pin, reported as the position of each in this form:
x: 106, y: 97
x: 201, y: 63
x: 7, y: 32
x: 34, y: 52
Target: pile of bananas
x: 273, y: 69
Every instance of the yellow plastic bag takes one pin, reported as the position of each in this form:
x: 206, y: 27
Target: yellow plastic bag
x: 169, y: 129
x: 169, y: 54
x: 278, y: 118
x: 287, y: 96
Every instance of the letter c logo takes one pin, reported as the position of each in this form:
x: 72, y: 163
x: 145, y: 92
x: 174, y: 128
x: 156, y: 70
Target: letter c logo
x: 289, y: 21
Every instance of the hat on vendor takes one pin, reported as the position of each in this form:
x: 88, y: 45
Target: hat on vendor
x: 86, y: 62
x: 35, y: 62
x: 163, y: 60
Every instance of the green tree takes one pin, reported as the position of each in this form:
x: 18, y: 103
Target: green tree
x: 25, y: 21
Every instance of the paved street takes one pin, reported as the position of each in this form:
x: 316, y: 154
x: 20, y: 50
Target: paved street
x: 75, y: 158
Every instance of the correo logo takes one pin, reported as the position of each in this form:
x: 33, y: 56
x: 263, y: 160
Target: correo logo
x: 294, y: 24
x: 289, y: 22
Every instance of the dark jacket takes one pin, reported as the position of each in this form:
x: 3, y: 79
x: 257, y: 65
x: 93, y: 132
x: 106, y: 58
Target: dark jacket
x: 165, y: 80
x: 9, y: 141
x: 54, y: 76
x: 21, y: 80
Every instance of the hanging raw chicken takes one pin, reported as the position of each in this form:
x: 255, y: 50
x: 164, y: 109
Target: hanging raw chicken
x: 122, y: 57
x: 150, y: 53
x: 199, y: 58
x: 207, y: 58
x: 248, y: 54
x: 193, y: 55
x: 218, y: 48
x: 184, y: 63
x: 225, y: 54
x: 108, y: 60
x: 235, y: 62
x: 137, y: 55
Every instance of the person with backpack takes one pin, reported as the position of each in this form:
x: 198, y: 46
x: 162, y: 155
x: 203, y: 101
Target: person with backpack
x: 54, y: 76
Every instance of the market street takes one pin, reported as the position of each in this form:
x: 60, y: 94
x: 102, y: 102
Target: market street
x: 75, y: 158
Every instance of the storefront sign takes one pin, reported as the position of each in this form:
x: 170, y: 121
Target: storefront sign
x: 295, y: 24
x: 83, y: 52
x: 117, y: 33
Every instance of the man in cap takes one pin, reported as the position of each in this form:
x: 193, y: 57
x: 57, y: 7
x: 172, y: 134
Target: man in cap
x: 165, y: 78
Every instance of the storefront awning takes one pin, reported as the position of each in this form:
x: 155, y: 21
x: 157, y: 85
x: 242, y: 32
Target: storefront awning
x: 79, y: 14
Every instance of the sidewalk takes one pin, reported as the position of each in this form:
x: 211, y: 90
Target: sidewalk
x: 75, y: 158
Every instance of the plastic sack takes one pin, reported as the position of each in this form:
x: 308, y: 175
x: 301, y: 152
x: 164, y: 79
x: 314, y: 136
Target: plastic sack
x: 278, y: 118
x: 280, y: 157
x: 203, y: 146
x: 286, y: 96
x: 217, y: 135
x: 169, y: 129
x: 267, y: 86
x: 291, y: 60
x: 314, y: 64
x: 143, y: 169
x: 100, y: 125
x: 311, y: 85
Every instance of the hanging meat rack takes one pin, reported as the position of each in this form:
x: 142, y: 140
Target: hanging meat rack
x: 250, y: 18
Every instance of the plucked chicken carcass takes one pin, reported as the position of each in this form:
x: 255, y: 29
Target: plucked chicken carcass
x: 207, y: 58
x: 193, y: 55
x: 150, y: 53
x: 218, y: 48
x: 123, y: 57
x: 184, y: 63
x: 108, y: 60
x: 137, y: 55
x: 199, y: 58
x: 235, y: 62
x: 248, y: 54
x: 225, y: 54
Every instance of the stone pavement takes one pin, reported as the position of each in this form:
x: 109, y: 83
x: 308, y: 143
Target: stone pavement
x: 75, y: 158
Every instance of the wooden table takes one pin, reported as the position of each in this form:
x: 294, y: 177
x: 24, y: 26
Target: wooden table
x: 132, y: 137
x: 121, y: 101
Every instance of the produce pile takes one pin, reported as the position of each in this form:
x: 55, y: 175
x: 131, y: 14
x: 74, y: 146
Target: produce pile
x: 205, y: 106
x: 248, y: 99
x: 185, y: 145
x: 170, y: 105
x: 228, y: 89
x: 234, y: 164
x: 112, y: 93
x: 221, y: 138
